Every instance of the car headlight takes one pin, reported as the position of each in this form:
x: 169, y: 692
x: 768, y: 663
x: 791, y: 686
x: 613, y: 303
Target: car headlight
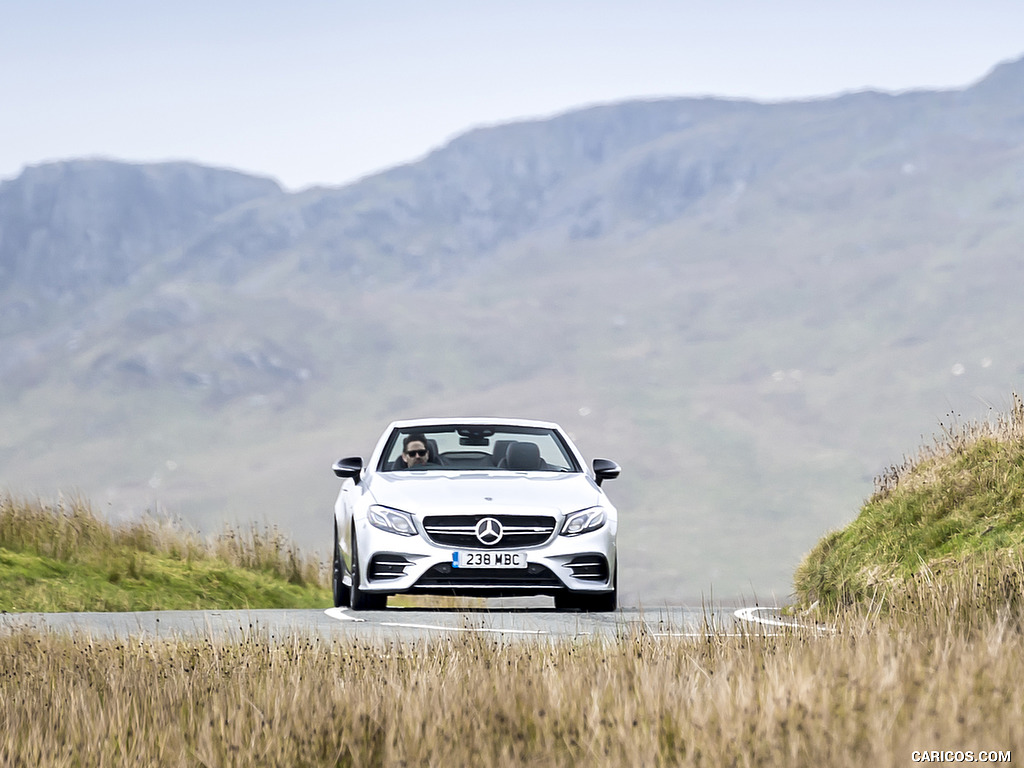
x: 391, y: 520
x: 584, y: 521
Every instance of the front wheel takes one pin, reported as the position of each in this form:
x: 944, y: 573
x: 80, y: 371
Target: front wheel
x: 574, y: 601
x: 604, y: 602
x: 360, y: 600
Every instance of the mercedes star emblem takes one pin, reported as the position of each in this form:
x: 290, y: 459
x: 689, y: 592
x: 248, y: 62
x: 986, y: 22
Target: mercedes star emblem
x: 488, y: 531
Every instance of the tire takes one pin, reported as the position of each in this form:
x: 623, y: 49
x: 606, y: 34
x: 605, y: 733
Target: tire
x: 604, y: 602
x: 358, y: 599
x: 338, y: 586
x: 574, y: 601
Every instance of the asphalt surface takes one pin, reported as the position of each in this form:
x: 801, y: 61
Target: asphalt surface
x: 405, y: 624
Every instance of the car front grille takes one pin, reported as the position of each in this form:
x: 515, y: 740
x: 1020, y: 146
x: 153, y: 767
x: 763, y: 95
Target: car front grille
x: 517, y: 530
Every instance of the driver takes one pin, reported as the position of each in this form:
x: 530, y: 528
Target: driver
x: 414, y: 450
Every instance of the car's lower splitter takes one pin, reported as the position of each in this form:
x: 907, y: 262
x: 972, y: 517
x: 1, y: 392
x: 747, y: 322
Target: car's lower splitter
x: 536, y: 579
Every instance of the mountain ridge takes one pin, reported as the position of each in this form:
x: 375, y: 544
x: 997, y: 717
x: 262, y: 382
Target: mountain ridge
x: 498, y: 173
x: 748, y: 305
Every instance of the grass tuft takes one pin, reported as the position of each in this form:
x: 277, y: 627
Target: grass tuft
x: 953, y: 511
x: 64, y: 557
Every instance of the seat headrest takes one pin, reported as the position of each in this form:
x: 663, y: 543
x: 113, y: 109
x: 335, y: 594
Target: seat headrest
x: 500, y: 450
x: 524, y: 456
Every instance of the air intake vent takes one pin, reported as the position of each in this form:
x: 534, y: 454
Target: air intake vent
x: 387, y: 566
x: 589, y: 567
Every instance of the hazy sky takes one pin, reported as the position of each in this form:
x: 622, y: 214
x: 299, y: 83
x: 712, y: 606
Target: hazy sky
x: 325, y: 91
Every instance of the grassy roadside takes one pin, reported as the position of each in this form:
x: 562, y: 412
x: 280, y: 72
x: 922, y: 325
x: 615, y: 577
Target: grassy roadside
x: 930, y: 662
x: 872, y: 693
x: 954, y: 508
x: 64, y: 557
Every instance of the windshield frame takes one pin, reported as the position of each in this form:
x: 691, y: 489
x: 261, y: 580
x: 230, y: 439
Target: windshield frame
x: 473, y: 452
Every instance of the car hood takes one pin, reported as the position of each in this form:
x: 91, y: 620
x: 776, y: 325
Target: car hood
x: 483, y: 492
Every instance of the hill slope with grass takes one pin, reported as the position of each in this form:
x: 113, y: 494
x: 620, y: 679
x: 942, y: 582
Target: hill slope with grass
x: 744, y: 304
x: 950, y: 518
x: 64, y: 557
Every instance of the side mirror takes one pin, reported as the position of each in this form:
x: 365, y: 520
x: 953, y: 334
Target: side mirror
x: 350, y: 467
x: 605, y: 469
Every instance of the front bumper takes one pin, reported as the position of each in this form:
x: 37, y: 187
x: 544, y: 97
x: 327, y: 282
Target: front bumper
x: 393, y: 564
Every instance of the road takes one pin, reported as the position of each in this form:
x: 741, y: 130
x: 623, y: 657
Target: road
x: 406, y: 624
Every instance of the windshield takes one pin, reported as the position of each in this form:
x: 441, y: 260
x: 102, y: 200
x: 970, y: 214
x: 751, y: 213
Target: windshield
x: 477, y: 447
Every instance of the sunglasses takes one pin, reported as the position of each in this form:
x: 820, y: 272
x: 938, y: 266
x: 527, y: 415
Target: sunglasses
x: 417, y: 453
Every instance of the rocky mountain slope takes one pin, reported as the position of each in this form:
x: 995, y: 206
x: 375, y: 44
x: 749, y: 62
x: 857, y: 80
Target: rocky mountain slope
x: 751, y: 306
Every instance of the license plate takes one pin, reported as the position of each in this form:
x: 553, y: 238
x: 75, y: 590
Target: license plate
x: 488, y: 559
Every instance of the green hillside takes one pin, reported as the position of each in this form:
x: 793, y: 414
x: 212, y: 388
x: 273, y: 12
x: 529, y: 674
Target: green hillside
x: 949, y: 518
x: 744, y: 304
x: 65, y: 557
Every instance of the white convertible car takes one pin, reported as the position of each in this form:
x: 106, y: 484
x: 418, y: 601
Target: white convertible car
x: 481, y: 507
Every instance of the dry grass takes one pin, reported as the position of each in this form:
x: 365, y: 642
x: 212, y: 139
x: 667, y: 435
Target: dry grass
x: 71, y: 530
x: 870, y: 694
x: 955, y: 437
x: 63, y: 556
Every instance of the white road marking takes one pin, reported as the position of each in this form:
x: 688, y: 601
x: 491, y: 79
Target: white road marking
x: 466, y: 629
x: 701, y: 635
x: 341, y: 614
x: 743, y: 614
x: 750, y: 614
